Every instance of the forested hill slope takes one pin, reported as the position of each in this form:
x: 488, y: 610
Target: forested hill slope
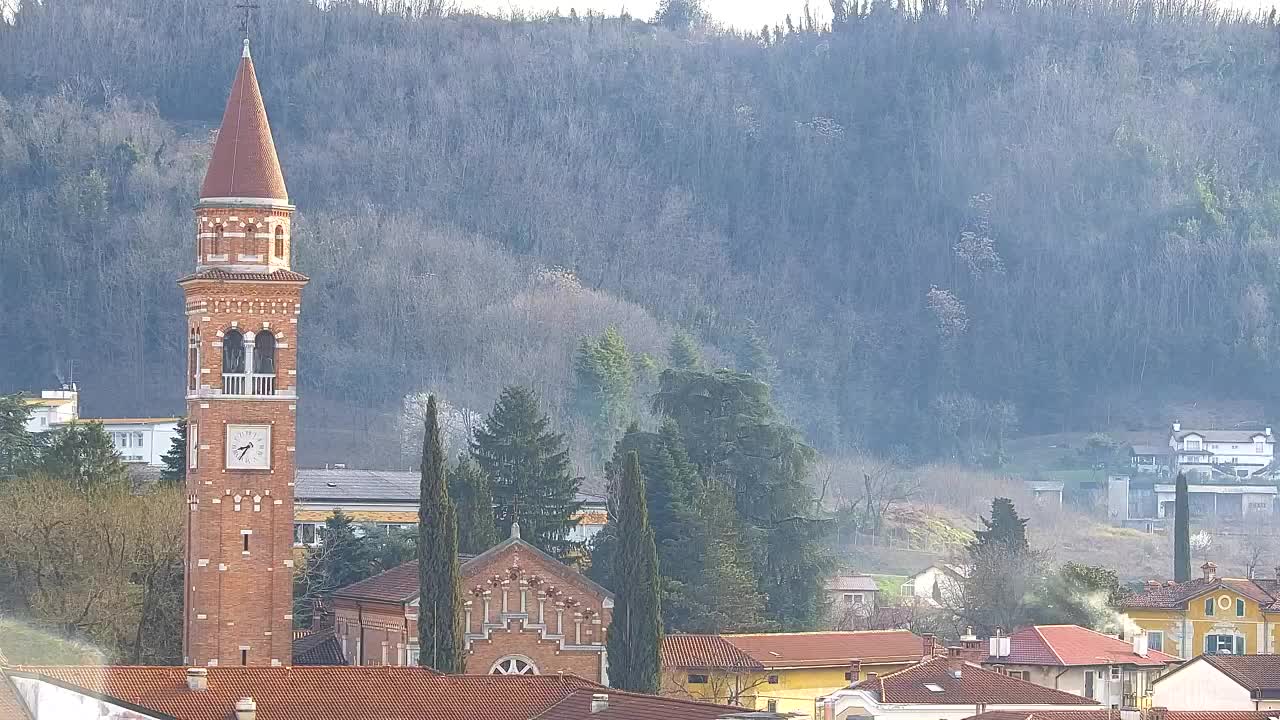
x: 927, y: 230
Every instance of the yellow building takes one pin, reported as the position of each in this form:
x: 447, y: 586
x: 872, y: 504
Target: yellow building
x: 1208, y: 615
x: 782, y: 672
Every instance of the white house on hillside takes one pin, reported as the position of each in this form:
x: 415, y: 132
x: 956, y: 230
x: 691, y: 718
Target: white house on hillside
x: 1236, y: 453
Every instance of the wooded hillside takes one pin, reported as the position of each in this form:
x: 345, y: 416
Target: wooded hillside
x: 929, y: 230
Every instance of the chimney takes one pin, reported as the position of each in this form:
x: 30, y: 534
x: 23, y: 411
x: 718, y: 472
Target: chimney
x: 1140, y: 644
x: 931, y: 642
x: 871, y: 676
x: 999, y: 644
x: 955, y: 665
x: 1268, y: 431
x: 246, y: 709
x: 599, y: 703
x: 1177, y: 426
x: 1209, y: 569
x: 855, y: 669
x: 1169, y: 583
x: 1153, y: 584
x: 1156, y: 713
x: 197, y: 678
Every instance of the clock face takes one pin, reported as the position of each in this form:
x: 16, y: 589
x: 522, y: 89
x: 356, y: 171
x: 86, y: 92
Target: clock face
x: 248, y: 447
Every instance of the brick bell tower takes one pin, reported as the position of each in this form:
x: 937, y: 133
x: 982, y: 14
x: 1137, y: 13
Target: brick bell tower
x: 242, y: 306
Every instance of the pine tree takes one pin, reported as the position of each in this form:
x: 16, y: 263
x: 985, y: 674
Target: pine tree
x: 1181, y: 530
x: 82, y: 453
x: 175, y: 461
x: 605, y: 380
x: 683, y: 352
x: 635, y: 635
x: 528, y: 465
x: 1004, y: 527
x: 440, y: 639
x: 472, y: 494
x: 17, y: 448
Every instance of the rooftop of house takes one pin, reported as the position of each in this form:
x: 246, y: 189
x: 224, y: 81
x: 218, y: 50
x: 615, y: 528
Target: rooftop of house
x: 353, y: 485
x: 11, y: 705
x: 951, y: 681
x: 1151, y: 714
x: 852, y: 583
x: 1224, y: 436
x: 1256, y: 673
x: 365, y: 693
x: 1072, y: 645
x: 400, y: 584
x: 784, y: 650
x: 319, y: 647
x: 131, y: 421
x: 1174, y: 596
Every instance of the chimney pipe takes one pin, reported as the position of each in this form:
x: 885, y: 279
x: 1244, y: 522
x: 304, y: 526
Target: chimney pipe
x: 197, y: 678
x: 1177, y: 426
x: 599, y: 703
x: 1209, y: 569
x: 1140, y: 644
x: 955, y: 666
x: 931, y: 642
x: 246, y: 709
x: 999, y: 644
x: 855, y: 669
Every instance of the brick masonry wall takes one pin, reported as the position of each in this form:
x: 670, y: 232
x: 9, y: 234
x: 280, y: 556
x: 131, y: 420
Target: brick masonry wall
x: 247, y: 231
x: 237, y: 599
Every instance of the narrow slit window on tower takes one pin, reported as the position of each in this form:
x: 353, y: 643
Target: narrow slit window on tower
x: 244, y: 656
x: 215, y: 244
x: 245, y: 540
x: 279, y: 241
x: 250, y: 244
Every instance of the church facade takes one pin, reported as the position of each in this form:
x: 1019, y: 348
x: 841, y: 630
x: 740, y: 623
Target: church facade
x: 242, y: 306
x: 525, y: 613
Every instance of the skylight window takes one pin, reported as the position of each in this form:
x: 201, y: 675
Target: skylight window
x: 933, y: 688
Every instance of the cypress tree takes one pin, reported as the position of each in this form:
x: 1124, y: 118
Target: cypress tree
x: 635, y: 634
x: 440, y: 643
x: 528, y: 465
x: 1004, y: 527
x: 1181, y: 531
x: 683, y: 352
x: 472, y: 494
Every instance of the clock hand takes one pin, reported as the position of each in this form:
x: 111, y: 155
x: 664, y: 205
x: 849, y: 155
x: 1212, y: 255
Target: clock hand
x: 244, y: 450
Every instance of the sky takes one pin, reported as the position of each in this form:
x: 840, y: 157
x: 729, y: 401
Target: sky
x: 742, y: 14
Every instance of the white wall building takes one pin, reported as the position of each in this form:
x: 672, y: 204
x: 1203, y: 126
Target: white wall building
x: 1237, y: 453
x: 1222, y: 682
x: 138, y: 440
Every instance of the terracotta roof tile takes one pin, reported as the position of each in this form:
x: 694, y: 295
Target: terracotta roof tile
x: 357, y: 693
x: 11, y: 705
x: 1064, y: 645
x: 704, y: 651
x: 244, y: 162
x: 830, y: 649
x: 1174, y: 597
x: 220, y: 274
x: 1115, y: 715
x: 976, y: 685
x: 630, y: 706
x: 1254, y: 672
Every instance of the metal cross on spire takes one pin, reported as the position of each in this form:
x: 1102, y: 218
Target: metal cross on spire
x: 246, y: 8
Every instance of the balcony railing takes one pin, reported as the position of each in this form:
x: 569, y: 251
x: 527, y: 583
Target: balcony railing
x: 248, y: 384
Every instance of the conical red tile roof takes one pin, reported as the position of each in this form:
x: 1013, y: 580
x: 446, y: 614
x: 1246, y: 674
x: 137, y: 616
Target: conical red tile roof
x: 244, y: 163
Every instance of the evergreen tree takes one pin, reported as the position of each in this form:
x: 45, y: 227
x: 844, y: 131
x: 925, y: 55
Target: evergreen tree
x: 440, y: 639
x: 175, y: 461
x: 1181, y: 530
x: 82, y: 453
x: 1004, y: 527
x: 717, y: 590
x: 17, y: 448
x: 605, y: 378
x: 737, y: 442
x: 472, y: 493
x: 635, y: 635
x: 680, y: 14
x: 683, y: 352
x: 528, y: 466
x: 343, y: 555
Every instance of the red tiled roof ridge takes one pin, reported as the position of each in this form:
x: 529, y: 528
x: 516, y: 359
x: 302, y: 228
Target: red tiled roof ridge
x: 907, y: 686
x: 223, y: 274
x: 819, y: 632
x: 829, y: 648
x: 1048, y: 644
